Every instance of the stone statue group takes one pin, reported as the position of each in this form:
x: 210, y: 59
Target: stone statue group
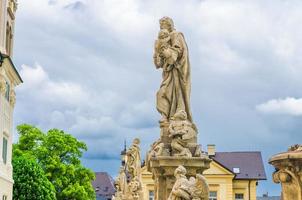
x: 178, y: 138
x: 177, y: 150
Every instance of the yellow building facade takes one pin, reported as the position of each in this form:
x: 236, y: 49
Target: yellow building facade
x: 238, y: 183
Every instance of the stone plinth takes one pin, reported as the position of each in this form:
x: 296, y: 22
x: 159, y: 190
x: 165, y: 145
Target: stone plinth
x: 289, y: 173
x: 163, y: 167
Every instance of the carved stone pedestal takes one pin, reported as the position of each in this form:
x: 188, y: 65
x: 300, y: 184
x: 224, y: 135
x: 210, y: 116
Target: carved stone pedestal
x: 163, y: 168
x: 289, y: 172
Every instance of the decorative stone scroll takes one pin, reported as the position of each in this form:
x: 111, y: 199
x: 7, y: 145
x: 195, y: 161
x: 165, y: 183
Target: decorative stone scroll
x: 288, y: 172
x: 2, y: 84
x: 12, y: 97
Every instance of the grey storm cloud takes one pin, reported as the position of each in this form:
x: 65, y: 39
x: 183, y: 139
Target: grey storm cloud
x: 87, y: 68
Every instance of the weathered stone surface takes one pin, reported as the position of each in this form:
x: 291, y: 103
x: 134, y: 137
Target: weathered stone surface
x: 177, y: 145
x: 171, y: 55
x: 192, y: 188
x: 288, y: 172
x: 128, y: 183
x: 163, y: 168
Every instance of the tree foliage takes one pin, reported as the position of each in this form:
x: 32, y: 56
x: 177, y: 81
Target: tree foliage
x: 30, y: 180
x: 58, y: 153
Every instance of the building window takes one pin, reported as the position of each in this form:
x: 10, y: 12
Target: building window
x: 151, y: 195
x: 4, y: 150
x: 7, y: 90
x: 239, y: 196
x: 4, y: 197
x: 213, y: 195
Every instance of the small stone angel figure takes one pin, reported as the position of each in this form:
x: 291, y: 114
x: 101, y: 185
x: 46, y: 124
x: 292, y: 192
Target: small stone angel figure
x: 200, y: 188
x: 181, y: 188
x: 157, y: 149
x: 193, y: 189
x: 181, y: 131
x: 162, y: 58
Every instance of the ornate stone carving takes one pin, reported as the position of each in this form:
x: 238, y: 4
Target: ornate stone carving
x: 157, y: 149
x: 12, y: 97
x: 2, y: 84
x: 192, y: 189
x: 182, y: 132
x: 128, y: 183
x: 135, y: 187
x: 133, y: 160
x: 296, y: 147
x: 288, y: 172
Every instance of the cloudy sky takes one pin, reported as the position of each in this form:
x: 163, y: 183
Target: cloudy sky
x: 87, y: 68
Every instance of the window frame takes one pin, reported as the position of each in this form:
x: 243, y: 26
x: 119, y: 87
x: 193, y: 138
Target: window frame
x: 151, y: 197
x: 239, y: 198
x: 215, y: 197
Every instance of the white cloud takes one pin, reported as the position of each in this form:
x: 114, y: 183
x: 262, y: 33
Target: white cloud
x: 37, y: 81
x: 287, y: 106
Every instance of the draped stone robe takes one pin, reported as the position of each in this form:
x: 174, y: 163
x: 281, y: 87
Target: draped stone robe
x: 175, y: 89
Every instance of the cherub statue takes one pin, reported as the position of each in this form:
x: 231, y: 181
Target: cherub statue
x: 157, y: 149
x: 193, y: 189
x: 181, y: 131
x: 199, y: 188
x: 181, y: 188
x: 162, y: 44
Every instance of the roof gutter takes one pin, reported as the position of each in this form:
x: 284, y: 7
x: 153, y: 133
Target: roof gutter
x: 4, y: 56
x: 249, y: 189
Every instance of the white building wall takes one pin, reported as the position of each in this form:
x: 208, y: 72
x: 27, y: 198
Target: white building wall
x: 8, y: 74
x: 6, y: 170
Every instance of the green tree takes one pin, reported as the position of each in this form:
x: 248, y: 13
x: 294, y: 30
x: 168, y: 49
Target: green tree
x: 30, y: 180
x: 58, y: 153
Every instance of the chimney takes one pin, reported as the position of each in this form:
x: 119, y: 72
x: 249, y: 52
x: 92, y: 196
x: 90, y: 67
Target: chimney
x: 211, y: 150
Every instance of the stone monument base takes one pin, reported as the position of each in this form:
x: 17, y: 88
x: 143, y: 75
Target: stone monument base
x: 163, y: 167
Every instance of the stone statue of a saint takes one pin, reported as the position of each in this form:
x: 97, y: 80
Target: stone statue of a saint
x: 133, y: 159
x: 171, y: 54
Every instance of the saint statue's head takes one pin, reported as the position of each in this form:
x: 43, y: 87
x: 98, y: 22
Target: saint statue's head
x: 136, y: 141
x: 166, y: 23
